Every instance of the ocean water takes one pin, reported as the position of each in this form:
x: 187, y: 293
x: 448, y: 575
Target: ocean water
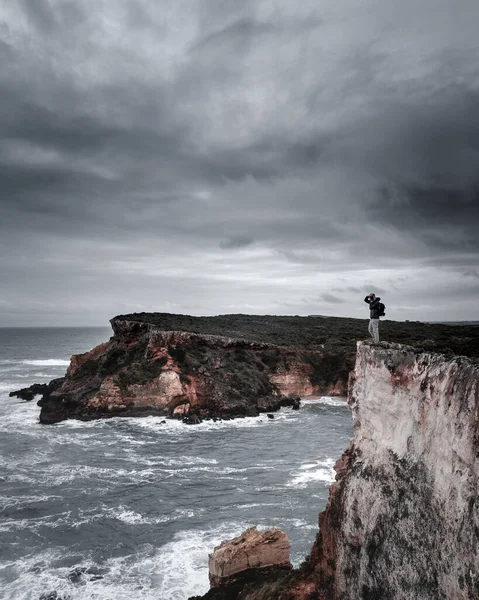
x: 130, y: 508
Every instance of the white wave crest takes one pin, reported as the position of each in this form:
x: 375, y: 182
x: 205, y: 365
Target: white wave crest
x: 325, y: 400
x: 173, y: 426
x: 313, y: 472
x: 7, y: 387
x: 48, y: 362
x: 18, y: 415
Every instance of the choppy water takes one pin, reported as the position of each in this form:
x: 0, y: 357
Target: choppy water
x: 129, y: 508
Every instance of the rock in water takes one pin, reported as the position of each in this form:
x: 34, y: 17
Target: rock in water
x: 37, y: 389
x: 253, y: 549
x: 296, y: 403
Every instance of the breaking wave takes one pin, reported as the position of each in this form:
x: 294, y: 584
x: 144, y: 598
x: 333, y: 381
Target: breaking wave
x: 325, y: 400
x: 322, y: 471
x: 49, y: 362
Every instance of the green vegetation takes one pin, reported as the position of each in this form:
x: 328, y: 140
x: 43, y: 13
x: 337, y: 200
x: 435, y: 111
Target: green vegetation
x: 335, y: 335
x: 237, y: 373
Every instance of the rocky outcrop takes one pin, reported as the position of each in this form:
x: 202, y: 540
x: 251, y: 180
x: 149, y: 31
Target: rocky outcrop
x: 145, y: 370
x: 37, y: 389
x: 252, y: 549
x: 402, y: 520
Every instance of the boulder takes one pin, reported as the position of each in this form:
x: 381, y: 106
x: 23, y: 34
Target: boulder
x: 181, y: 410
x: 252, y: 549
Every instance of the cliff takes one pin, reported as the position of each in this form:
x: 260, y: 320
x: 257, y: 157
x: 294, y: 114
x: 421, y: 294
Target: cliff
x: 402, y: 520
x: 146, y: 369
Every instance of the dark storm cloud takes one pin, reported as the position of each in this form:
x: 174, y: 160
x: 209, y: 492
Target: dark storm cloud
x: 236, y: 242
x: 39, y: 14
x: 313, y: 139
x: 235, y: 34
x: 331, y: 298
x: 246, y: 31
x: 433, y: 174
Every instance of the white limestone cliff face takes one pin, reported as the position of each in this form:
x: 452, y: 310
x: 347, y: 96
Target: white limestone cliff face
x: 402, y: 522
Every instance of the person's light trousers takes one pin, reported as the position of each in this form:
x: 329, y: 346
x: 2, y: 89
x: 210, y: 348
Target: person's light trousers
x: 374, y: 330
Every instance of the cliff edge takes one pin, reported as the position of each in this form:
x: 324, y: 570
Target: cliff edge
x: 402, y: 519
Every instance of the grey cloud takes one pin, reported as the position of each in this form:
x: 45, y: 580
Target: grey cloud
x: 331, y: 298
x: 234, y: 34
x: 236, y: 242
x: 373, y: 289
x: 361, y: 290
x: 40, y: 14
x: 245, y: 30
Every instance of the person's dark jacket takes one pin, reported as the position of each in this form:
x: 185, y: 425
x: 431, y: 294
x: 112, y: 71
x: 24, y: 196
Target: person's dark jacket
x: 373, y: 307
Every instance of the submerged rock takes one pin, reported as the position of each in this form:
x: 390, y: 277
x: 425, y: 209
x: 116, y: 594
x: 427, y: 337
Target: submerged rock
x: 192, y: 420
x: 54, y: 596
x: 296, y: 404
x: 80, y: 574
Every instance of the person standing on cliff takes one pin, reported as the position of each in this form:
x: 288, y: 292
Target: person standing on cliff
x: 374, y: 314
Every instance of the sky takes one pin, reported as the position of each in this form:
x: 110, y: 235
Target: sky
x: 222, y: 156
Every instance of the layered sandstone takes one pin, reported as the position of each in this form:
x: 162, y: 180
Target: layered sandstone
x: 144, y: 369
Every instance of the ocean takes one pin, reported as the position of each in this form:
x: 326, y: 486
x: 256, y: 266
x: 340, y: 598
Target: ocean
x: 130, y: 507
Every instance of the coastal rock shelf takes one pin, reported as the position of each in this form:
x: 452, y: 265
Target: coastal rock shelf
x: 145, y: 369
x: 402, y: 520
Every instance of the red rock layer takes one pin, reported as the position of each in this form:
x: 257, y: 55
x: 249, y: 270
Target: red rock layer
x: 144, y: 370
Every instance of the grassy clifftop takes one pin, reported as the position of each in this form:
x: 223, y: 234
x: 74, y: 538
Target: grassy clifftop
x: 334, y: 334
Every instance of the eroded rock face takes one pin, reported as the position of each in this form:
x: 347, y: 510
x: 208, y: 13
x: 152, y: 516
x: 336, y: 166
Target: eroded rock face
x: 402, y: 520
x: 144, y: 370
x: 252, y: 549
